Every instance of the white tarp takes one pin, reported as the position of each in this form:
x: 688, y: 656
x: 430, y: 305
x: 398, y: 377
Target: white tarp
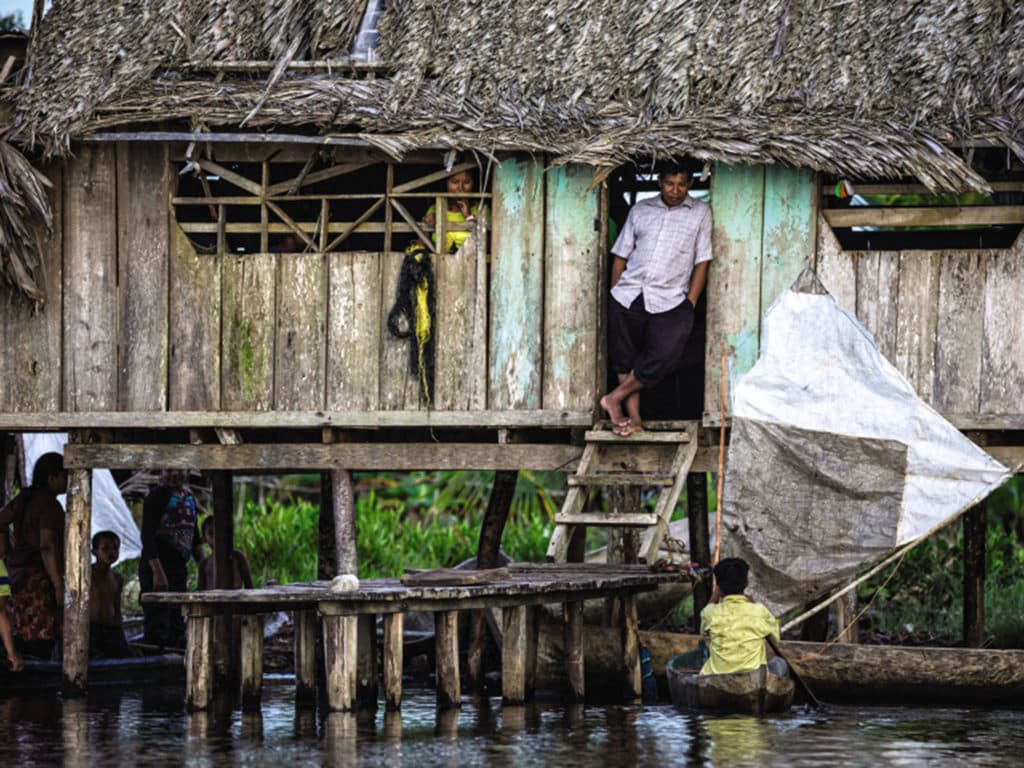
x: 834, y: 460
x: 109, y: 511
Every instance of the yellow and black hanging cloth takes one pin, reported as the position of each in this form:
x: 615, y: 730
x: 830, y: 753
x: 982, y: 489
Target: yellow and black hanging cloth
x: 412, y: 316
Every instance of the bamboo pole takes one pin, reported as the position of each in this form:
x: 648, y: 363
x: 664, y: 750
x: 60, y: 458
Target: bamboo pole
x: 721, y: 466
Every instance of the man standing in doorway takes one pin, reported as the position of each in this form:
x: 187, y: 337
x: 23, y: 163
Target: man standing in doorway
x: 660, y: 268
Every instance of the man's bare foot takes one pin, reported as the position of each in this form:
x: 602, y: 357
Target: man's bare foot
x: 627, y: 429
x: 614, y: 410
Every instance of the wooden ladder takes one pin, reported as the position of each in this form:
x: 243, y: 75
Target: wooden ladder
x: 656, y: 456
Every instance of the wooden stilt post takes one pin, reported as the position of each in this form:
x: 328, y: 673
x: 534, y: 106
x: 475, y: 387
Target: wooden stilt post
x: 975, y: 523
x: 532, y: 636
x: 366, y: 690
x: 572, y: 615
x: 488, y: 548
x: 305, y: 658
x: 341, y: 643
x: 446, y: 639
x: 252, y: 662
x: 199, y: 658
x: 343, y: 500
x: 844, y: 612
x: 77, y: 575
x: 700, y: 537
x: 514, y: 632
x: 631, y: 647
x: 393, y: 651
x: 225, y: 662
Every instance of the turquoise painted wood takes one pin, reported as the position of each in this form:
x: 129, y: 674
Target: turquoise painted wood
x: 790, y: 228
x: 517, y: 284
x: 734, y: 280
x: 571, y: 272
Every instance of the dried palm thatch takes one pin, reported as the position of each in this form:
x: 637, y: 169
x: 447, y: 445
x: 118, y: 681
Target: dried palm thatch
x: 868, y: 88
x: 23, y: 203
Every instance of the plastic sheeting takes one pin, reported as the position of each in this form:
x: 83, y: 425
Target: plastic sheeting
x: 834, y: 461
x: 109, y: 511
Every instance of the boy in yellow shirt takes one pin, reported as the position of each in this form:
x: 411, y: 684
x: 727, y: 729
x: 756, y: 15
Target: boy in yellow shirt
x: 737, y: 626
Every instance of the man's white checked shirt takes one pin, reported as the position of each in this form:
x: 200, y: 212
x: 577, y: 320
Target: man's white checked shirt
x: 661, y: 246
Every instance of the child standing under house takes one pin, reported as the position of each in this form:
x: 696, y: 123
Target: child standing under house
x: 13, y: 658
x: 106, y: 630
x: 736, y: 625
x: 241, y: 576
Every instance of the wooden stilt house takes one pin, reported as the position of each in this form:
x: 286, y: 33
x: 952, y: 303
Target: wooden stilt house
x: 233, y: 184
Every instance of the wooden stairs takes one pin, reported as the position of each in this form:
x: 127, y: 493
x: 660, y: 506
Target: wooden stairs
x: 661, y: 455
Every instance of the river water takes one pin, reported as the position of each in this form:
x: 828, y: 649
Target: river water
x: 150, y: 728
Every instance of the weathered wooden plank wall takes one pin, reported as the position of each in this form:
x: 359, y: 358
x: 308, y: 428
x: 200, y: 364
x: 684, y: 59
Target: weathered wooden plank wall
x: 790, y: 228
x: 90, y: 280
x: 734, y: 279
x: 354, y: 331
x: 143, y: 190
x: 571, y: 280
x: 399, y: 389
x: 517, y: 285
x: 455, y: 380
x: 30, y: 363
x: 194, y: 366
x: 301, y: 361
x: 249, y: 285
x: 951, y: 322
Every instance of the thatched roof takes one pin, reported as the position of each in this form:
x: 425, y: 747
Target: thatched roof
x: 865, y: 88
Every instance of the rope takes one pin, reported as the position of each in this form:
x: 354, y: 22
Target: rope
x: 412, y: 316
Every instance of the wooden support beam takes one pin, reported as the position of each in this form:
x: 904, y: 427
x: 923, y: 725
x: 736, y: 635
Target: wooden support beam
x: 632, y: 689
x: 269, y: 457
x: 967, y: 216
x: 393, y: 659
x: 975, y: 525
x: 366, y: 688
x: 844, y: 613
x: 78, y: 576
x: 305, y: 658
x: 514, y: 631
x: 572, y: 617
x: 45, y: 421
x: 533, y: 619
x: 446, y: 639
x: 199, y: 659
x: 343, y: 501
x: 700, y: 537
x: 225, y: 660
x: 252, y: 662
x: 341, y: 643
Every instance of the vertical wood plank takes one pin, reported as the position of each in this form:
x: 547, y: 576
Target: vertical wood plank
x: 366, y: 690
x: 143, y: 189
x: 517, y: 284
x: 446, y: 639
x: 300, y: 351
x: 631, y: 648
x: 353, y: 335
x: 199, y: 660
x: 456, y: 275
x: 78, y: 573
x: 305, y: 657
x: 31, y: 363
x: 252, y: 662
x: 90, y: 280
x: 836, y: 268
x: 572, y: 616
x: 959, y: 334
x: 195, y: 311
x: 247, y: 332
x: 571, y: 280
x: 878, y: 281
x: 734, y: 279
x: 1002, y: 364
x: 393, y: 660
x: 917, y: 320
x: 513, y: 654
x: 790, y: 227
x: 341, y: 635
x: 399, y: 389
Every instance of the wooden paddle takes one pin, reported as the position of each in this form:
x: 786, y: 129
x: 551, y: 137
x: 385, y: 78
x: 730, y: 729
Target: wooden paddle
x: 811, y: 698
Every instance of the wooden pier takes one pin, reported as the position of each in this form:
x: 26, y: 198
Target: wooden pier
x: 348, y: 621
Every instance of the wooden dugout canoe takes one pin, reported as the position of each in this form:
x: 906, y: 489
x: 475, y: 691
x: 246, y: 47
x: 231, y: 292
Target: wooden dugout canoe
x: 748, y: 693
x: 161, y: 669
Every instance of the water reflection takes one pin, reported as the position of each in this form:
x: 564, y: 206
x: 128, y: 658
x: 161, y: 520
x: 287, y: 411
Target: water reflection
x: 142, y: 728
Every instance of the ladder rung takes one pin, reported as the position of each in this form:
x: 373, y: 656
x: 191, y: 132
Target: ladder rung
x: 639, y: 520
x: 646, y: 436
x: 623, y: 478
